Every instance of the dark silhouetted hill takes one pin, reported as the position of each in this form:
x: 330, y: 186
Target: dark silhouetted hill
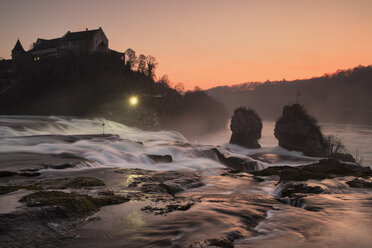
x: 345, y: 96
x: 101, y: 85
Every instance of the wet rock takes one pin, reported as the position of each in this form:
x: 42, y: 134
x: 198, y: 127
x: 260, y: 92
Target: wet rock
x: 313, y: 208
x: 344, y: 157
x: 11, y: 188
x: 236, y: 163
x: 359, y: 183
x: 107, y: 193
x: 234, y: 173
x: 30, y: 170
x: 272, y: 171
x: 29, y: 174
x: 222, y: 243
x: 246, y: 127
x: 79, y: 204
x: 258, y: 179
x: 325, y: 168
x: 75, y: 183
x: 161, y: 158
x: 168, y: 208
x: 294, y: 195
x: 71, y: 203
x: 61, y: 166
x: 298, y: 174
x: 288, y: 173
x: 290, y: 189
x: 7, y: 173
x: 296, y: 200
x: 153, y: 187
x: 171, y: 182
x: 296, y: 130
x: 334, y: 167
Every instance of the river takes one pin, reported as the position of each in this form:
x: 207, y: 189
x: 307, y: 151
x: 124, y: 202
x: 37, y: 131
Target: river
x: 232, y: 207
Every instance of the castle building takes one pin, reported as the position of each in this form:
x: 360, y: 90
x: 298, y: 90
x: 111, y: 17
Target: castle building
x: 76, y: 43
x: 18, y: 50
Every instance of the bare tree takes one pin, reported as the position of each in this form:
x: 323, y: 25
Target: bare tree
x: 180, y: 88
x: 151, y: 66
x: 141, y: 67
x: 197, y: 89
x: 164, y: 80
x: 131, y: 58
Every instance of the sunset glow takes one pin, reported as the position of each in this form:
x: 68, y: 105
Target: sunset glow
x: 211, y: 42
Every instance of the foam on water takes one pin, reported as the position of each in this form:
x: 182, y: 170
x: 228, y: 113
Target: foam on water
x: 45, y: 135
x: 17, y: 134
x: 42, y: 125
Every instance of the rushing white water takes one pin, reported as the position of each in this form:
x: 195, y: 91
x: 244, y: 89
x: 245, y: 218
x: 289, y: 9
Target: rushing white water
x: 32, y: 135
x: 129, y: 149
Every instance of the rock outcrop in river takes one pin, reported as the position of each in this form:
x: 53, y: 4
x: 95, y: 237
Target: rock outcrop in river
x: 297, y: 130
x: 246, y: 127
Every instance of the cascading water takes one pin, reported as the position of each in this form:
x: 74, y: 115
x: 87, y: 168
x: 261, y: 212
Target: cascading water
x: 232, y: 206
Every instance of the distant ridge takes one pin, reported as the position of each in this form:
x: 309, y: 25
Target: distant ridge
x: 342, y: 96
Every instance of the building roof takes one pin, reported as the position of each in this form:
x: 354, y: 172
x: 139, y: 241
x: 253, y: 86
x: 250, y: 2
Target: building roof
x: 45, y: 44
x: 81, y: 35
x: 18, y: 47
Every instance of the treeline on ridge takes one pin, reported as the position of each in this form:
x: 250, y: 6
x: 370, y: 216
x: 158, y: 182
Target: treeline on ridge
x: 344, y: 96
x: 100, y: 85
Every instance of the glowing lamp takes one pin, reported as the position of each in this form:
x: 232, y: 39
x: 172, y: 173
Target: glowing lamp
x: 133, y: 101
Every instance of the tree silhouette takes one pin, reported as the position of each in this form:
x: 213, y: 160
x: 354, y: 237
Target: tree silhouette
x: 141, y: 64
x: 180, y: 88
x: 131, y: 58
x: 151, y: 66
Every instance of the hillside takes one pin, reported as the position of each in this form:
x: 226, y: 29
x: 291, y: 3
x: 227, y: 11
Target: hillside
x: 100, y: 85
x: 344, y: 96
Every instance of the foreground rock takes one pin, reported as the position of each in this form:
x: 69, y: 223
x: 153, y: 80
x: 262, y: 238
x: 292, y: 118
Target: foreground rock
x: 359, y: 183
x: 74, y: 183
x: 53, y: 206
x: 236, y: 163
x: 174, y: 206
x: 170, y: 183
x: 296, y: 130
x: 295, y: 195
x: 71, y: 203
x: 161, y: 158
x: 246, y: 127
x: 289, y: 190
x: 325, y: 168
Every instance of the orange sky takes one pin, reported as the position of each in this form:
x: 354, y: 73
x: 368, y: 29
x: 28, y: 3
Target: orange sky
x: 209, y: 42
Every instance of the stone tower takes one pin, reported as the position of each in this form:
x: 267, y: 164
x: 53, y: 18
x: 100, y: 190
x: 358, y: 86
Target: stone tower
x: 17, y: 50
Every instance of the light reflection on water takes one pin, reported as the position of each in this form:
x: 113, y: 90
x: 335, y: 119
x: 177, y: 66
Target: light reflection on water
x: 344, y: 222
x: 226, y: 206
x: 240, y: 206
